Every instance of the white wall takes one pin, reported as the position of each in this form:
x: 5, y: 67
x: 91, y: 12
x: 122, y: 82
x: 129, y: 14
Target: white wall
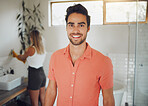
x: 8, y: 26
x: 107, y: 38
x: 9, y: 36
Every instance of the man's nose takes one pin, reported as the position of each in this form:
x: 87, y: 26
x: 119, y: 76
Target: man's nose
x: 76, y: 29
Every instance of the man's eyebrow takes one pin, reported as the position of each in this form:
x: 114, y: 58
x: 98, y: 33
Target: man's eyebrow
x: 70, y: 23
x: 81, y: 23
x: 78, y: 23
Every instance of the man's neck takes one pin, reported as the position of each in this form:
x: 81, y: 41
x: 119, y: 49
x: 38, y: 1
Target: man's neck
x: 76, y: 51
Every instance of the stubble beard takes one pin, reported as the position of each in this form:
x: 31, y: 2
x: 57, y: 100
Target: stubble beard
x: 76, y: 43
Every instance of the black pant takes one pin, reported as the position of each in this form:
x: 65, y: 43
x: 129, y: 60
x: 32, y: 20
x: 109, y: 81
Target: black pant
x: 36, y: 78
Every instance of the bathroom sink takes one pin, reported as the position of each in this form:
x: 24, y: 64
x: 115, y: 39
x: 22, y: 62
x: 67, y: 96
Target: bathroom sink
x: 9, y: 82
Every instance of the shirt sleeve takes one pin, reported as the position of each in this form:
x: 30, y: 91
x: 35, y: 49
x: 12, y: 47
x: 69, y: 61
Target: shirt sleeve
x: 51, y: 74
x: 106, y: 80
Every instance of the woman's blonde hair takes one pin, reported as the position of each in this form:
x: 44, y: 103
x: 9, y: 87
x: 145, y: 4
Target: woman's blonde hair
x: 37, y: 41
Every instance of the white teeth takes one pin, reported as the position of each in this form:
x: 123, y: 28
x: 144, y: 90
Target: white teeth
x: 76, y: 36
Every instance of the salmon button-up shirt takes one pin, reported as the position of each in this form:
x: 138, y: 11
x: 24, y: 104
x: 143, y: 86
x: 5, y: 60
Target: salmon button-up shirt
x: 80, y: 85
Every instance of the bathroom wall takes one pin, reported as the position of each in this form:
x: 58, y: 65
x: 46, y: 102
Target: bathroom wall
x: 8, y: 26
x: 9, y: 35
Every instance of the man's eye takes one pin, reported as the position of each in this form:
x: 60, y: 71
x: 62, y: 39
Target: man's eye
x: 70, y: 25
x: 81, y: 25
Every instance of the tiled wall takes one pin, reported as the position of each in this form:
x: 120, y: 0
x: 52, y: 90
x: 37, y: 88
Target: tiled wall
x: 125, y: 71
x: 123, y: 66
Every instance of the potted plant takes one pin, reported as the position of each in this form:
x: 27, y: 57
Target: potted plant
x: 28, y: 20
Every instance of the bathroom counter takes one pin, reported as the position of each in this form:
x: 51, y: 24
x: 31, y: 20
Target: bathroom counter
x: 6, y: 96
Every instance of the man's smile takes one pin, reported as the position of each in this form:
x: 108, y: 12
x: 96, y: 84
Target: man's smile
x: 76, y: 36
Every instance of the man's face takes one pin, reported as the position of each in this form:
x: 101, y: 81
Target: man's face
x: 77, y: 28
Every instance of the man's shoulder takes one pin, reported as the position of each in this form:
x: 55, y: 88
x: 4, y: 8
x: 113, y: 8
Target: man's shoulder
x: 58, y: 52
x: 97, y: 53
x: 100, y: 57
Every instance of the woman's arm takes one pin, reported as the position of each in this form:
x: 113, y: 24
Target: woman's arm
x: 29, y: 52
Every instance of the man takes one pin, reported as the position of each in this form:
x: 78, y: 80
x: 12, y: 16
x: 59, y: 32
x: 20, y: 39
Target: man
x: 78, y: 71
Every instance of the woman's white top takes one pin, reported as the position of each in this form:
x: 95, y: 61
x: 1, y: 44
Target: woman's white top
x: 36, y: 60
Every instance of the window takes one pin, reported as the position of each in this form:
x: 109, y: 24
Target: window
x: 124, y: 12
x: 95, y: 10
x: 101, y: 12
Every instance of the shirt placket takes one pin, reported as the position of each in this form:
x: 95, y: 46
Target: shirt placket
x: 72, y: 84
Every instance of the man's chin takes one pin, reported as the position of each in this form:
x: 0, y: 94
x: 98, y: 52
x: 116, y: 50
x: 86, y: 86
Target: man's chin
x: 77, y: 43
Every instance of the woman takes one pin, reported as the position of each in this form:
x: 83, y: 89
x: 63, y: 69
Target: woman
x: 35, y: 56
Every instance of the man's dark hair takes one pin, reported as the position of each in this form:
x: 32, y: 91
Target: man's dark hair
x: 78, y: 8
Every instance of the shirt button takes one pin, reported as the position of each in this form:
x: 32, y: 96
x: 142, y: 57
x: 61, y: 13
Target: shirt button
x: 71, y: 85
x: 70, y: 97
x: 73, y: 73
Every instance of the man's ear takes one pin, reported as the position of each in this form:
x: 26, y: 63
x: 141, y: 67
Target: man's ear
x: 88, y: 29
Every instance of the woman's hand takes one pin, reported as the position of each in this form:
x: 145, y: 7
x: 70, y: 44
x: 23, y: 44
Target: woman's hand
x: 14, y: 54
x: 29, y: 52
x: 19, y: 57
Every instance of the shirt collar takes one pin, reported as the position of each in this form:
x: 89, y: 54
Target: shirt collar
x: 87, y: 53
x: 66, y: 51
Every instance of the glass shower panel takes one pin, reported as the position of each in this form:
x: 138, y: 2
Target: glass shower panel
x: 141, y: 70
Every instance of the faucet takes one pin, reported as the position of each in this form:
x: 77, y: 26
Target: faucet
x: 5, y: 72
x: 11, y: 71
